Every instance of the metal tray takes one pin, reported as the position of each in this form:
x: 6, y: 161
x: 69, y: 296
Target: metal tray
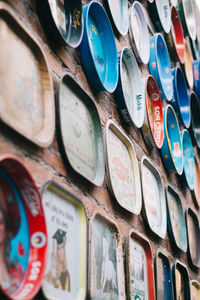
x: 188, y: 65
x: 181, y: 281
x: 196, y: 76
x: 196, y: 191
x: 195, y: 120
x: 80, y: 132
x: 123, y: 174
x: 27, y: 99
x: 176, y: 220
x: 106, y: 266
x: 195, y: 290
x: 187, y: 14
x: 153, y: 198
x: 160, y: 14
x: 164, y: 285
x: 139, y: 267
x: 66, y: 270
x: 193, y: 233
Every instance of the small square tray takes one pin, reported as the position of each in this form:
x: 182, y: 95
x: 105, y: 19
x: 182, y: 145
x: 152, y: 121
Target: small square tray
x: 181, y: 281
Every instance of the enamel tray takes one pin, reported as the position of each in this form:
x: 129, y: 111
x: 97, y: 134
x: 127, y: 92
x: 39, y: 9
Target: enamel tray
x: 163, y: 276
x: 139, y: 33
x: 193, y: 232
x: 27, y: 99
x: 175, y: 219
x: 129, y: 94
x: 160, y: 14
x: 154, y: 198
x: 187, y: 14
x: 181, y: 281
x: 196, y: 191
x: 106, y: 274
x: 123, y: 175
x: 195, y: 290
x: 119, y: 14
x: 63, y: 19
x: 139, y: 267
x: 80, y: 132
x: 195, y: 120
x: 23, y: 231
x: 66, y: 270
x: 188, y: 66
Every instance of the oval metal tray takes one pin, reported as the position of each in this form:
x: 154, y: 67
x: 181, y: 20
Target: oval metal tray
x: 123, y: 175
x: 154, y: 198
x: 66, y: 271
x: 181, y: 281
x: 80, y: 132
x: 27, y: 99
x: 160, y: 14
x: 187, y: 66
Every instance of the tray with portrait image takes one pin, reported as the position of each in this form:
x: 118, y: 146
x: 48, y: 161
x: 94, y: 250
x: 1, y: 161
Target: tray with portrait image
x: 66, y: 271
x: 27, y: 98
x: 181, y: 281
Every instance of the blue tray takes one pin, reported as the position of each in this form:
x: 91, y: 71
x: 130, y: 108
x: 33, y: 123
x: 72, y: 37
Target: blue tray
x: 98, y: 50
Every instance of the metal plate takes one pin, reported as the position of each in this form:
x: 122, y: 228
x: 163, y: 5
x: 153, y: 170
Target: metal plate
x: 160, y: 14
x: 195, y: 290
x: 122, y: 168
x: 154, y: 198
x: 193, y: 233
x: 119, y: 13
x: 66, y: 270
x: 187, y: 14
x: 176, y: 220
x: 104, y: 259
x: 197, y: 183
x: 23, y: 231
x: 27, y: 101
x: 181, y: 281
x: 187, y: 67
x: 139, y: 264
x: 80, y: 132
x: 195, y: 120
x: 164, y: 286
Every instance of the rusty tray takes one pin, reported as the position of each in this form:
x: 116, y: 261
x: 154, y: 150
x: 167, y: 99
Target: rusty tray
x: 122, y: 169
x: 195, y: 290
x: 66, y: 270
x: 175, y: 218
x: 193, y: 233
x: 80, y: 133
x: 106, y: 274
x: 181, y: 281
x: 139, y: 265
x: 27, y: 99
x: 154, y: 208
x: 164, y: 286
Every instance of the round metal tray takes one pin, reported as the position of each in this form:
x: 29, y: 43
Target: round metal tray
x: 160, y: 14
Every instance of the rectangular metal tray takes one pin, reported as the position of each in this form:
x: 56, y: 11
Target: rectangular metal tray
x: 181, y: 281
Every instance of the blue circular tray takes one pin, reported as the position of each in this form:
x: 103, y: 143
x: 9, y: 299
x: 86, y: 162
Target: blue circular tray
x: 196, y: 75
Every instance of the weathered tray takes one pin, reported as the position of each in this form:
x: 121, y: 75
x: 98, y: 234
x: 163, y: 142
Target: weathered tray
x: 123, y: 174
x: 106, y: 275
x: 195, y: 290
x: 154, y: 209
x: 176, y: 221
x: 164, y: 286
x: 27, y: 99
x: 181, y: 281
x: 67, y: 244
x: 80, y: 132
x: 193, y: 233
x: 196, y: 191
x: 139, y: 264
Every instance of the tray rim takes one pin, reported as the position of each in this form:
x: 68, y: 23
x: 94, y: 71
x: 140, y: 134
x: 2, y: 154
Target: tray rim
x: 181, y: 266
x: 124, y: 7
x: 195, y: 283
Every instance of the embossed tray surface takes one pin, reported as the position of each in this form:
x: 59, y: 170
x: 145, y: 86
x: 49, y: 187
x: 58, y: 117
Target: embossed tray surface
x: 123, y: 174
x: 26, y: 92
x: 181, y: 281
x: 154, y: 198
x: 80, y: 132
x: 66, y: 271
x: 176, y: 220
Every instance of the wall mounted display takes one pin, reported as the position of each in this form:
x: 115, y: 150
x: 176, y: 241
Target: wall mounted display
x: 163, y: 275
x: 195, y: 121
x: 154, y: 198
x: 129, y: 94
x: 123, y: 175
x: 181, y: 101
x: 196, y: 74
x: 193, y: 233
x: 187, y: 66
x: 104, y: 259
x: 160, y: 14
x: 160, y: 67
x: 196, y: 191
x: 188, y: 160
x: 195, y: 290
x: 62, y: 19
x: 172, y: 150
x: 175, y: 38
x: 181, y: 281
x: 23, y: 234
x: 175, y: 219
x: 187, y: 14
x: 80, y: 132
x: 27, y: 99
x: 153, y: 127
x: 99, y: 61
x: 139, y: 34
x: 139, y: 265
x: 66, y: 271
x: 119, y: 14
